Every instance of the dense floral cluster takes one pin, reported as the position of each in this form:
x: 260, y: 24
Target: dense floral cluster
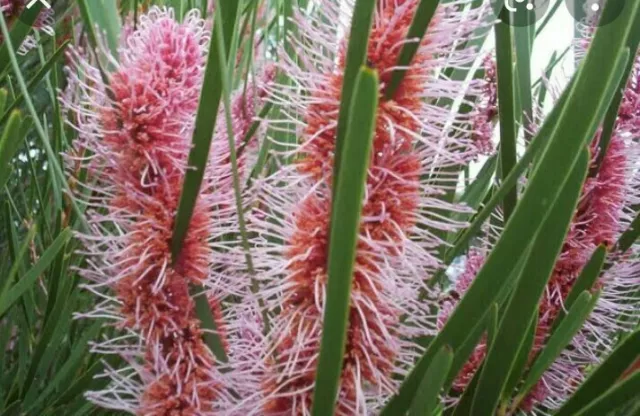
x: 135, y: 119
x: 399, y: 233
x: 604, y: 212
x: 134, y: 139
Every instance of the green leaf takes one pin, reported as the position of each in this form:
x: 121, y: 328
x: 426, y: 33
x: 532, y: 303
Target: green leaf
x: 604, y: 376
x: 19, y: 32
x: 419, y: 25
x: 57, y: 176
x: 586, y: 280
x: 345, y: 227
x: 536, y: 147
x: 611, y: 119
x: 477, y: 191
x: 3, y: 99
x: 576, y: 125
x: 253, y: 129
x: 426, y: 400
x: 616, y: 397
x: 522, y: 358
x: 466, y: 349
x: 35, y: 80
x: 356, y: 58
x: 523, y: 304
x: 463, y: 408
x: 17, y: 290
x: 18, y: 259
x: 10, y: 141
x: 492, y: 324
x: 104, y: 13
x: 506, y: 108
x: 49, y: 344
x: 206, y: 118
x: 71, y: 365
x: 561, y: 337
x: 549, y: 16
x: 629, y: 237
x: 523, y: 38
x: 211, y: 336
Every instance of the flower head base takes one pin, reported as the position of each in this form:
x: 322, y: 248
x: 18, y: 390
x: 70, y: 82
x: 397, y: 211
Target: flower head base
x: 134, y: 143
x: 396, y: 251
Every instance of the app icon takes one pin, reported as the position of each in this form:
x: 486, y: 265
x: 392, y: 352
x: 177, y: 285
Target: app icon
x: 32, y: 3
x: 592, y: 12
x: 46, y: 8
x: 520, y: 12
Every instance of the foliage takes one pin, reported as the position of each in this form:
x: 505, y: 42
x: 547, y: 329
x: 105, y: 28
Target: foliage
x: 483, y: 343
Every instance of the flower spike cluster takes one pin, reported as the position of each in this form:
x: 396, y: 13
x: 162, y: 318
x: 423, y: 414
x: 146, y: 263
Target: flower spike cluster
x: 604, y: 212
x: 401, y: 218
x: 134, y: 140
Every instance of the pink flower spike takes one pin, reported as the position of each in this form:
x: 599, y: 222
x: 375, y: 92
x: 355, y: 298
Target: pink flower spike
x: 399, y: 232
x: 605, y: 211
x: 134, y: 143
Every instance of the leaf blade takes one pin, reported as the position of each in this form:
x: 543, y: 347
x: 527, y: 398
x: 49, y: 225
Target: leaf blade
x: 560, y: 338
x: 500, y: 360
x: 345, y: 228
x: 557, y: 160
x: 426, y: 401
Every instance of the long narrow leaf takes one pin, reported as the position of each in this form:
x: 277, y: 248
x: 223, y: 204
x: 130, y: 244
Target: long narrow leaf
x: 427, y: 398
x: 206, y: 118
x: 19, y: 33
x: 616, y: 397
x: 10, y: 140
x: 524, y: 303
x: 17, y: 290
x: 105, y: 15
x: 567, y: 138
x: 506, y: 108
x: 35, y: 80
x: 586, y: 280
x: 610, y: 120
x: 561, y: 337
x: 604, y: 376
x: 629, y: 237
x: 356, y: 58
x: 419, y: 25
x: 3, y: 99
x: 345, y: 227
x: 18, y: 261
x: 522, y: 359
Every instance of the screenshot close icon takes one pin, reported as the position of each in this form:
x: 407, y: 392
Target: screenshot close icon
x: 521, y: 13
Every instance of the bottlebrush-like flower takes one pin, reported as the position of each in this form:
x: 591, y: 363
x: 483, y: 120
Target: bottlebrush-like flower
x: 402, y: 213
x: 134, y: 140
x: 605, y: 210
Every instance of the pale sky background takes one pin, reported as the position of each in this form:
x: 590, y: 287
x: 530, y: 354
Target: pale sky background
x: 556, y: 36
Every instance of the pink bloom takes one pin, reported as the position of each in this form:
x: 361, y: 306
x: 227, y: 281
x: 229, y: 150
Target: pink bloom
x: 134, y: 144
x: 605, y: 210
x: 397, y: 250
